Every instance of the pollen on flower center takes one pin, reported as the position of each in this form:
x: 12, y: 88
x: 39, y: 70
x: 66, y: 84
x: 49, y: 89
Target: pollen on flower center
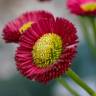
x: 88, y: 6
x: 25, y: 27
x: 47, y: 50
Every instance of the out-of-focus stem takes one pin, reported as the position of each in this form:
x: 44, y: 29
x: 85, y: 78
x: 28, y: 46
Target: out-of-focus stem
x: 87, y: 35
x: 63, y: 82
x: 93, y: 23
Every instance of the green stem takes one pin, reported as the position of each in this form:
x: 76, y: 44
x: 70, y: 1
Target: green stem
x: 92, y: 20
x: 86, y: 35
x: 67, y: 86
x: 75, y: 78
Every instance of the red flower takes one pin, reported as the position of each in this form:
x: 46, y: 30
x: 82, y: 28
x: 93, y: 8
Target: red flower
x: 82, y: 7
x: 46, y: 50
x: 14, y: 29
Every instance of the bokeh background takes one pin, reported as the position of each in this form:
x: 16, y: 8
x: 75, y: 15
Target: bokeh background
x: 12, y: 83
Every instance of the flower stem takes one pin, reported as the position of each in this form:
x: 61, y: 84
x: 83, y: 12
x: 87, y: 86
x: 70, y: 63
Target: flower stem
x: 67, y: 86
x: 87, y: 35
x: 76, y: 78
x: 92, y: 20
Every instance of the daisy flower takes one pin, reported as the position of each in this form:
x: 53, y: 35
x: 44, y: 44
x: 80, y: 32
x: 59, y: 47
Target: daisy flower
x: 82, y: 7
x: 46, y: 49
x: 15, y: 28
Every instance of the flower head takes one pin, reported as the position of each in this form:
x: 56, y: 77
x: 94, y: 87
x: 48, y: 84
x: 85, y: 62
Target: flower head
x: 82, y: 7
x: 14, y: 29
x: 46, y: 49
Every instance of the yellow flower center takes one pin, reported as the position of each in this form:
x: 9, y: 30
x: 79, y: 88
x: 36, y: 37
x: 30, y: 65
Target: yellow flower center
x: 89, y: 6
x: 47, y: 50
x: 25, y: 27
